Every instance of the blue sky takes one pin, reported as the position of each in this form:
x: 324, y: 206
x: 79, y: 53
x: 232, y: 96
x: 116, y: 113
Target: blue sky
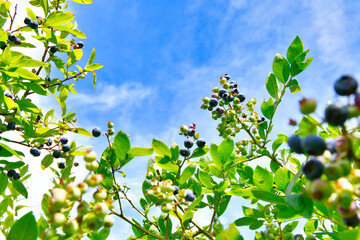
x: 162, y: 57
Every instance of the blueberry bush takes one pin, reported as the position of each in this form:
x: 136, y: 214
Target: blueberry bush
x: 313, y: 175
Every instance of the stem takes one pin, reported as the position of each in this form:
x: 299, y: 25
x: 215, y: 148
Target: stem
x: 121, y: 215
x: 12, y: 18
x: 214, y: 214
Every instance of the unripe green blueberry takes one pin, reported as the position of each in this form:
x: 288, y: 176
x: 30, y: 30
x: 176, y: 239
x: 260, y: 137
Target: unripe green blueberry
x: 71, y: 227
x: 101, y: 209
x: 166, y: 208
x: 108, y: 221
x: 59, y: 195
x: 206, y: 100
x: 110, y: 124
x: 83, y: 187
x: 90, y: 156
x: 310, y: 237
x: 94, y: 180
x: 344, y: 199
x: 83, y: 208
x: 100, y: 195
x: 216, y: 90
x: 111, y: 131
x: 345, y: 165
x: 307, y: 105
x: 92, y: 222
x: 150, y: 175
x: 50, y: 233
x: 92, y: 166
x: 319, y: 189
x: 333, y: 171
x: 73, y: 192
x: 57, y: 219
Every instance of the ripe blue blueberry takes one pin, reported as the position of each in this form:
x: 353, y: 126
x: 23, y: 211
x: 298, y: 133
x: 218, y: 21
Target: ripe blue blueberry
x: 80, y: 44
x: 227, y: 76
x: 235, y: 91
x: 336, y: 114
x: 313, y: 169
x: 176, y: 190
x: 200, y: 142
x: 57, y: 154
x: 213, y: 102
x: 64, y: 140
x: 352, y: 221
x: 241, y: 97
x: 260, y: 120
x: 221, y: 92
x: 1, y: 148
x: 230, y: 98
x: 17, y: 41
x: 27, y: 20
x: 3, y: 46
x: 225, y: 96
x: 66, y: 148
x: 53, y: 49
x: 11, y: 125
x: 61, y: 165
x: 96, y: 132
x: 345, y: 86
x: 35, y: 152
x: 12, y: 37
x: 191, y: 132
x: 188, y: 143
x: 190, y: 196
x: 313, y: 145
x: 11, y: 173
x: 16, y: 176
x: 184, y: 152
x: 34, y: 24
x: 9, y: 95
x: 295, y: 143
x: 48, y: 142
x: 220, y: 110
x: 233, y: 86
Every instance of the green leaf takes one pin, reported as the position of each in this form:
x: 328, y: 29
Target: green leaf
x: 3, y: 182
x: 291, y: 226
x: 12, y: 165
x: 165, y: 163
x: 160, y: 148
x: 27, y: 106
x: 36, y: 88
x: 121, y: 145
x: 31, y: 14
x: 273, y: 86
x: 206, y: 179
x: 281, y: 68
x: 81, y: 131
x: 94, y: 78
x: 59, y: 18
x: 83, y: 1
x: 225, y: 149
x: 93, y: 67
x: 224, y: 202
x: 63, y: 94
x: 259, y: 195
x: 263, y: 179
x: 311, y: 226
x: 295, y: 49
x: 45, y: 6
x: 215, y: 155
x: 277, y: 143
x: 306, y: 127
x: 74, y: 56
x: 282, y: 179
x: 198, y: 152
x: 187, y: 215
x: 47, y: 161
x: 140, y: 151
x: 91, y: 58
x: 187, y: 173
x: 231, y: 234
x: 28, y: 63
x: 267, y: 108
x: 24, y: 229
x: 294, y: 86
x: 10, y: 150
x: 175, y: 151
x: 19, y: 187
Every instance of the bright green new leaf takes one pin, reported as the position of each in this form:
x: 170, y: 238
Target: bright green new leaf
x: 281, y: 68
x: 45, y: 6
x: 198, y: 152
x: 267, y: 108
x: 273, y: 86
x: 27, y: 106
x: 215, y: 155
x: 165, y: 163
x: 140, y: 151
x: 81, y: 131
x: 206, y: 179
x: 282, y: 179
x: 187, y: 215
x: 311, y: 226
x: 28, y: 63
x: 24, y: 229
x: 93, y: 67
x: 83, y: 1
x: 91, y: 58
x: 187, y: 173
x: 59, y: 18
x: 19, y: 186
x: 259, y: 195
x: 225, y: 149
x: 160, y: 148
x: 121, y: 145
x: 31, y: 14
x: 263, y: 179
x: 63, y: 94
x: 47, y: 161
x: 295, y: 49
x: 36, y: 88
x: 306, y: 127
x: 3, y: 182
x: 74, y: 56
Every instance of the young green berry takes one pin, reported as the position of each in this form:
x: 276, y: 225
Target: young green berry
x: 314, y: 145
x: 111, y: 131
x: 313, y: 169
x: 166, y: 208
x: 73, y: 192
x: 100, y: 195
x: 57, y: 219
x: 101, y: 209
x: 108, y: 221
x: 57, y: 154
x: 59, y: 196
x: 96, y: 132
x: 83, y: 208
x: 320, y: 189
x: 345, y: 86
x: 90, y: 156
x: 92, y: 166
x: 307, y: 105
x: 70, y: 227
x: 110, y: 124
x: 184, y: 152
x: 333, y: 171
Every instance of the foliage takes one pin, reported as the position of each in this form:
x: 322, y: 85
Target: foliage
x: 311, y: 178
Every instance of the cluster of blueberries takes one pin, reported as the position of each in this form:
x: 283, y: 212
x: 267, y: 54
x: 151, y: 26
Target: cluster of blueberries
x: 188, y: 143
x: 13, y: 174
x: 13, y: 38
x: 34, y: 24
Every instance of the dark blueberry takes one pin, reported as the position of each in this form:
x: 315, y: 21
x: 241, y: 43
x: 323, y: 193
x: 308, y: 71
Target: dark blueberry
x: 213, y: 102
x: 66, y: 148
x: 38, y: 118
x: 61, y: 165
x: 352, y: 221
x: 17, y: 41
x: 57, y: 154
x: 35, y: 152
x: 53, y: 49
x: 298, y: 237
x: 96, y: 132
x: 260, y: 120
x: 1, y: 148
x: 314, y: 145
x: 27, y: 21
x: 190, y: 196
x: 191, y: 132
x: 235, y: 91
x: 80, y: 44
x: 48, y: 79
x: 336, y: 114
x: 64, y: 140
x: 9, y: 95
x: 227, y: 76
x: 346, y: 85
x: 241, y: 97
x: 220, y: 110
x: 34, y: 24
x: 16, y: 176
x: 200, y: 142
x: 184, y: 152
x: 176, y: 191
x: 225, y: 96
x: 3, y: 46
x: 221, y: 92
x: 230, y: 98
x: 11, y: 173
x: 12, y: 37
x: 11, y: 125
x: 48, y: 142
x: 188, y: 143
x: 295, y: 143
x: 42, y: 145
x: 313, y: 169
